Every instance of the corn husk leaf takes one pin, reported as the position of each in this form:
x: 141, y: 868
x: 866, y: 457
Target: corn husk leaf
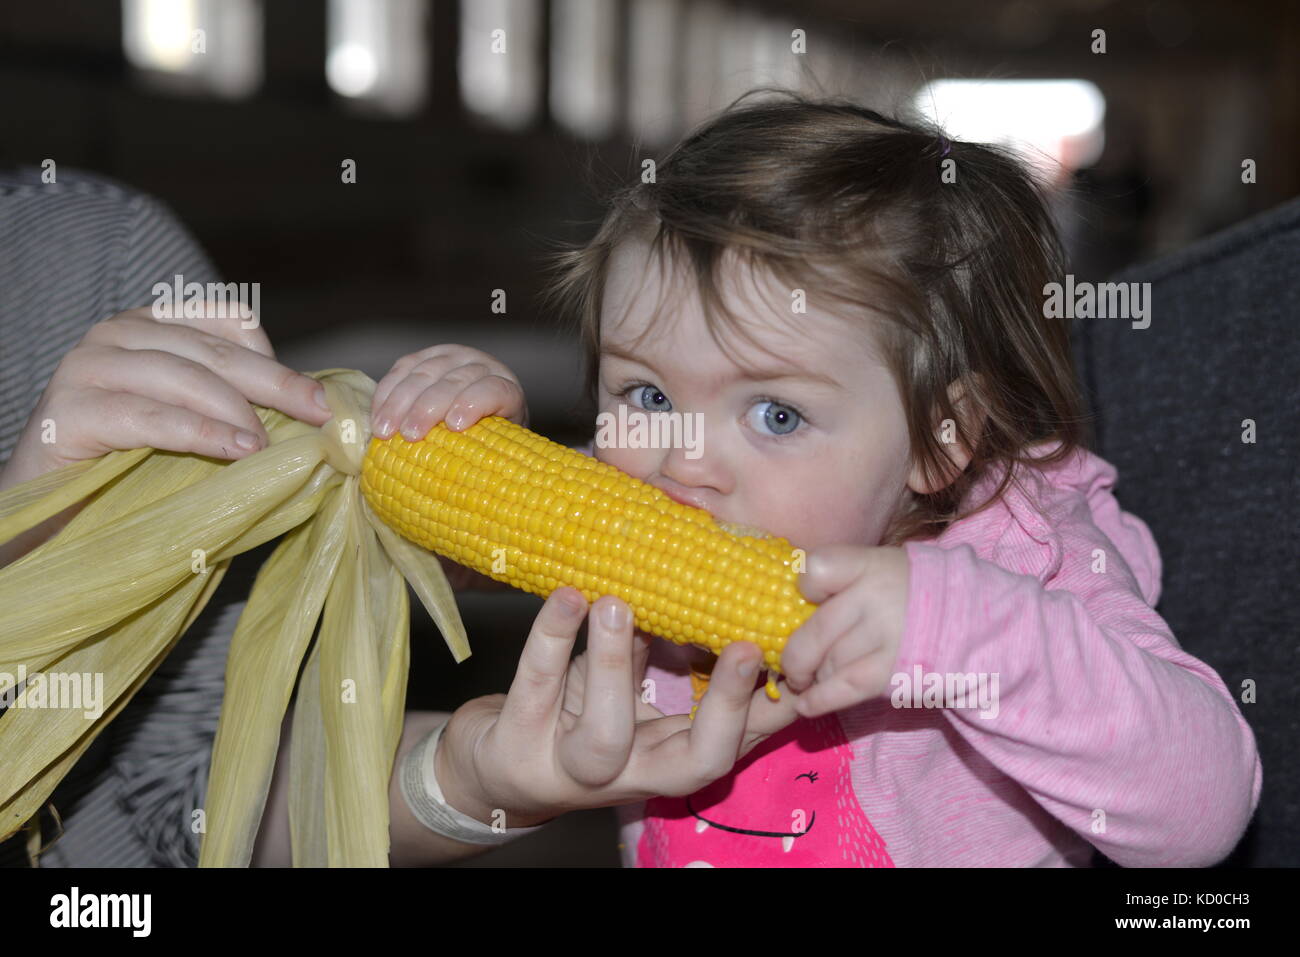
x: 262, y: 666
x: 115, y: 589
x: 425, y: 573
x: 31, y: 503
x: 356, y: 774
x: 149, y: 550
x: 40, y: 745
x: 308, y: 833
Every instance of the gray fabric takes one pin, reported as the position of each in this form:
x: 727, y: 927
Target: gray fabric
x: 1169, y: 402
x: 71, y: 254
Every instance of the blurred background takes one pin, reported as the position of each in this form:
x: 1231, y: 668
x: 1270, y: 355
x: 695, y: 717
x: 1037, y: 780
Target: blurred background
x: 484, y: 132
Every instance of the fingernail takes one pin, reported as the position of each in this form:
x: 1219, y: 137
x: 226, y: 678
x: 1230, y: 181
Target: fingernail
x: 613, y: 615
x: 319, y: 396
x: 573, y: 605
x: 383, y: 427
x: 246, y: 440
x: 748, y: 668
x: 456, y: 420
x: 412, y: 433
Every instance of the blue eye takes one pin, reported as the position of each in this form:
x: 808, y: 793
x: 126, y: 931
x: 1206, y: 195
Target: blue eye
x: 778, y: 419
x: 648, y: 394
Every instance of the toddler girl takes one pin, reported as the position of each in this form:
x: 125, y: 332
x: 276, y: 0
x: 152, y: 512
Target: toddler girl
x: 863, y: 339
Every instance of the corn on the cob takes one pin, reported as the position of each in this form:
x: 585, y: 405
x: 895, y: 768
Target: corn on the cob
x: 525, y: 510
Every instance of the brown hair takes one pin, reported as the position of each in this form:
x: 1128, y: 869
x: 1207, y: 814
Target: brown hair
x: 828, y: 191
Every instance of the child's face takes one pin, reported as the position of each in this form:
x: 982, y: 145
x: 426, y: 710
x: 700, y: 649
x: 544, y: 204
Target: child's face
x: 836, y: 473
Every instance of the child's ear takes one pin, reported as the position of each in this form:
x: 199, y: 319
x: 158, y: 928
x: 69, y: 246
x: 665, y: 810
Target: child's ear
x: 950, y: 439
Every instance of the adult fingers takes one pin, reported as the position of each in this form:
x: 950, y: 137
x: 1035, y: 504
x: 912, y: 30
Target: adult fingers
x: 169, y: 379
x: 214, y: 318
x: 125, y: 420
x: 258, y: 378
x: 537, y: 691
x: 596, y: 750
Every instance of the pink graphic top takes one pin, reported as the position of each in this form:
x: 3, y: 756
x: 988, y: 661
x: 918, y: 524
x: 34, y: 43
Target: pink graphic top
x: 1105, y: 733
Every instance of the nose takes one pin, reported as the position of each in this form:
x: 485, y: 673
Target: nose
x: 697, y: 474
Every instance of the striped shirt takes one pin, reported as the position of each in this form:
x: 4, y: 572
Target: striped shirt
x: 73, y: 253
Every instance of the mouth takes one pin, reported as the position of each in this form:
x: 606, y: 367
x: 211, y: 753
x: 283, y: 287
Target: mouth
x: 736, y: 528
x: 702, y: 824
x: 683, y: 499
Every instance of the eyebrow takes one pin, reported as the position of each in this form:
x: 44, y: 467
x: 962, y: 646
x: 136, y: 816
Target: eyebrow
x: 771, y: 374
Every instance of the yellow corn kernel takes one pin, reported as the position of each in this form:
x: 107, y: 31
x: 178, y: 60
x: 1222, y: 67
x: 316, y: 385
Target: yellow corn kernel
x: 521, y: 509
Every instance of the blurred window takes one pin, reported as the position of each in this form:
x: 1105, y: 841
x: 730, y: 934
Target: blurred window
x: 728, y: 51
x: 1055, y: 124
x: 652, y: 71
x: 500, y: 65
x: 583, y: 47
x: 195, y: 46
x: 378, y: 53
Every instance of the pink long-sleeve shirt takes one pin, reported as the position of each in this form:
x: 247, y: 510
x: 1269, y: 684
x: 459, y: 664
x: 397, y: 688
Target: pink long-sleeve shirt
x: 1098, y: 731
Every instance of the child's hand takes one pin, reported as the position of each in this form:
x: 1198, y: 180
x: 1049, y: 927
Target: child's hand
x: 460, y: 385
x: 575, y: 734
x: 850, y: 644
x: 455, y: 383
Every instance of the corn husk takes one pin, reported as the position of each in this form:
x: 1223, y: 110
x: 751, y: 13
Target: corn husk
x: 114, y: 591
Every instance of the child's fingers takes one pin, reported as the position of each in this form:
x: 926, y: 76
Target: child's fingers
x: 641, y: 652
x: 645, y: 698
x: 766, y: 717
x: 852, y: 683
x: 831, y: 569
x: 596, y: 750
x: 388, y: 415
x: 719, y: 727
x: 417, y: 404
x: 432, y: 368
x: 430, y: 406
x: 537, y: 691
x: 811, y: 642
x: 490, y: 395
